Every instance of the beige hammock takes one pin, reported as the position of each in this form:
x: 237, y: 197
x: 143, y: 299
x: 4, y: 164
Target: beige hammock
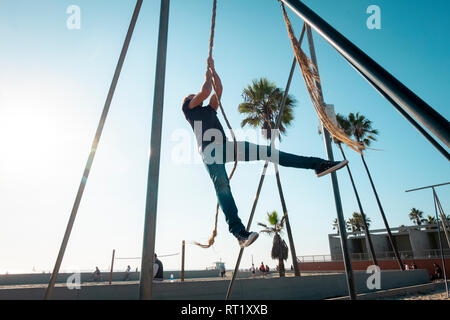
x: 312, y: 80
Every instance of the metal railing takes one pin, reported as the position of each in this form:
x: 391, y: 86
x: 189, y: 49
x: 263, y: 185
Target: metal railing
x: 424, y: 254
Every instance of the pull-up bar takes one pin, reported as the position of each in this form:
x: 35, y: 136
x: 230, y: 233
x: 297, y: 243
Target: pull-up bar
x: 383, y: 81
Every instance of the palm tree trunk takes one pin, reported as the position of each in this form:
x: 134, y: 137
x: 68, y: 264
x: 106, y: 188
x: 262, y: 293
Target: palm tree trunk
x: 391, y: 239
x: 281, y: 267
x: 366, y: 228
x: 288, y: 225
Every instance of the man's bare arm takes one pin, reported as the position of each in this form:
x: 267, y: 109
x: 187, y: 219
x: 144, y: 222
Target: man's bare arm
x: 204, y: 92
x: 214, y: 102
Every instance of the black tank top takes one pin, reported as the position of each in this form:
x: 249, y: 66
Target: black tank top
x: 206, y: 117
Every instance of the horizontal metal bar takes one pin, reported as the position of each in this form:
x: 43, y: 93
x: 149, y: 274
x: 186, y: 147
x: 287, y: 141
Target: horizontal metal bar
x: 427, y: 187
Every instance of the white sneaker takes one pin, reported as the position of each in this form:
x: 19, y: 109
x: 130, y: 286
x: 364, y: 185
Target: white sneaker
x: 246, y: 238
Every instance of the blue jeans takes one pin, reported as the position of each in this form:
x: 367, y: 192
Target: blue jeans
x: 246, y: 152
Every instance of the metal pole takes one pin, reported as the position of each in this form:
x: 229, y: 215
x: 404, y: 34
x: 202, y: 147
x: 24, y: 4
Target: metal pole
x: 443, y: 219
x: 288, y: 225
x: 148, y: 247
x: 261, y: 180
x: 408, y: 117
x: 383, y: 216
x: 358, y: 200
x: 183, y: 245
x: 444, y: 267
x: 112, y: 266
x: 90, y: 160
x: 334, y: 181
x: 241, y: 251
x: 277, y: 173
x: 385, y: 82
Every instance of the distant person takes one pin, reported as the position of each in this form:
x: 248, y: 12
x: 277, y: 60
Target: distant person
x: 267, y: 269
x: 406, y: 267
x: 262, y: 269
x: 127, y: 274
x: 222, y: 270
x: 158, y: 270
x: 97, y: 274
x: 252, y: 269
x: 437, y: 272
x: 414, y: 266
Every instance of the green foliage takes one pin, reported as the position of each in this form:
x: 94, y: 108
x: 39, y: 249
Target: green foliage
x: 361, y: 129
x: 416, y: 216
x: 261, y: 106
x: 356, y: 223
x: 274, y: 228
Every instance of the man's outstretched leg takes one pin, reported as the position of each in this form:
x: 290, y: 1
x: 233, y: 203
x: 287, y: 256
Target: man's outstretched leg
x: 252, y: 152
x: 221, y: 183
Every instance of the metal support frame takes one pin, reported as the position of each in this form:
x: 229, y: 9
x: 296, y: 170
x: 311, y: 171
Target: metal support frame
x: 383, y: 81
x: 383, y: 216
x: 277, y: 172
x: 438, y: 207
x: 337, y: 197
x: 399, y: 95
x: 443, y: 220
x: 90, y: 160
x: 148, y: 246
x: 358, y: 200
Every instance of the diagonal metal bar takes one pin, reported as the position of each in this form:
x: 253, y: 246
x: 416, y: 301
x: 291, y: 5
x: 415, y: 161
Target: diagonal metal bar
x: 444, y: 267
x: 337, y: 197
x: 358, y: 200
x: 384, y: 82
x: 90, y: 160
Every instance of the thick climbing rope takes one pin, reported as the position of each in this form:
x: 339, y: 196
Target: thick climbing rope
x: 312, y: 81
x: 211, y: 46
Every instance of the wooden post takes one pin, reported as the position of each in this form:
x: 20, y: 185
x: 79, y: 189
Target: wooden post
x: 112, y: 266
x: 182, y: 260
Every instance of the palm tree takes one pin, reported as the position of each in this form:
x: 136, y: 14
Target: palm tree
x: 353, y: 225
x: 361, y: 129
x: 416, y: 216
x: 279, y: 248
x: 262, y: 102
x: 356, y: 222
x: 430, y: 220
x: 336, y: 225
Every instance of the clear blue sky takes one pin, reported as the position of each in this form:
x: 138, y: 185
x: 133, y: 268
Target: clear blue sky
x: 54, y: 81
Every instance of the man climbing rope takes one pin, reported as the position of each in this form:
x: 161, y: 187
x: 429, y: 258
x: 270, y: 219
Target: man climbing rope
x: 216, y: 150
